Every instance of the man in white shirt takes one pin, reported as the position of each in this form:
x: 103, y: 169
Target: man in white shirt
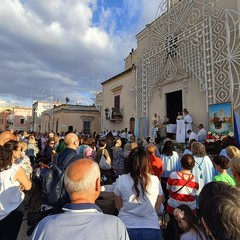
x: 192, y: 135
x: 114, y: 133
x: 202, y: 133
x: 188, y: 122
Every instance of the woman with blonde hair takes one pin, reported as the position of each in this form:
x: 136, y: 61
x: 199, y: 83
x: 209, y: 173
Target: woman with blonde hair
x: 24, y: 160
x: 235, y: 167
x: 118, y: 158
x: 32, y: 149
x: 232, y: 152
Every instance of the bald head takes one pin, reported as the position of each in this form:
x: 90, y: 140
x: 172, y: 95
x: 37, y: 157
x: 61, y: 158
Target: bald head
x: 6, y: 136
x: 82, y: 180
x: 71, y: 141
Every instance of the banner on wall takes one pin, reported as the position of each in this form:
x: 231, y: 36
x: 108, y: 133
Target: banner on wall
x: 237, y: 125
x: 220, y: 118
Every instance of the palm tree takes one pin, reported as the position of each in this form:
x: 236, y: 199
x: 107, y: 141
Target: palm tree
x: 67, y: 100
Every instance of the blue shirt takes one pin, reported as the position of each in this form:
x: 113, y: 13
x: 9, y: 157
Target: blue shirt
x: 83, y: 221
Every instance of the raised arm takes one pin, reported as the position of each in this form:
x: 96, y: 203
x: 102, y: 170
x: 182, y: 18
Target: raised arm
x: 21, y: 177
x: 118, y: 202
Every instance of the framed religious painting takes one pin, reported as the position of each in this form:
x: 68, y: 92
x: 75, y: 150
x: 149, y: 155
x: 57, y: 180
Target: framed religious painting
x: 221, y: 118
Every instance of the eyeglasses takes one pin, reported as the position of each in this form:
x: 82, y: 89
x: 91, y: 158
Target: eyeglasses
x: 51, y: 143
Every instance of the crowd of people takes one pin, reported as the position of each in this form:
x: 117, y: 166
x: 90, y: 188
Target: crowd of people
x: 200, y: 193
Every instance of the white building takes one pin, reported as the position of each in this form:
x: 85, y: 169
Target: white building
x: 187, y: 58
x: 37, y: 109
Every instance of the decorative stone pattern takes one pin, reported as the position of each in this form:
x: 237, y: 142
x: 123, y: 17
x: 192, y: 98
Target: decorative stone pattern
x: 194, y: 36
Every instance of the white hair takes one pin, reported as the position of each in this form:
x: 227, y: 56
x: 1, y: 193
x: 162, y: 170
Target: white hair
x: 86, y: 184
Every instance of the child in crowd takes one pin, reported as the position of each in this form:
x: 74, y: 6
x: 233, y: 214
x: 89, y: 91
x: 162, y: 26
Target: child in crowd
x: 221, y: 165
x: 187, y: 221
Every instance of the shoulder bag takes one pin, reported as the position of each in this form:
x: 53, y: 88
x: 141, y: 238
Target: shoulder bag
x: 165, y: 202
x: 105, y: 163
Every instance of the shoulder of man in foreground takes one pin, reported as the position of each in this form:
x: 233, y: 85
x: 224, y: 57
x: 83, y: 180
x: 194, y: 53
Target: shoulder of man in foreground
x: 104, y: 226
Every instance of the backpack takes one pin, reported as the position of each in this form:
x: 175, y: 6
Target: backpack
x: 30, y: 152
x: 53, y: 183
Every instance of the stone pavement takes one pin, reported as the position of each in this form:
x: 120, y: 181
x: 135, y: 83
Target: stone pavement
x: 33, y: 206
x: 23, y: 231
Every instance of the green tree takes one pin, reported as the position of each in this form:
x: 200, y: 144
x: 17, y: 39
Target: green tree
x: 67, y: 100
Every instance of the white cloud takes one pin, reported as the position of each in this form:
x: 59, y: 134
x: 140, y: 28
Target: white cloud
x: 3, y: 103
x: 52, y: 43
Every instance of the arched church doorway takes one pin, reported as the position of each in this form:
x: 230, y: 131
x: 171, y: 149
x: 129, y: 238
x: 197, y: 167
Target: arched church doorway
x: 174, y: 105
x: 132, y: 124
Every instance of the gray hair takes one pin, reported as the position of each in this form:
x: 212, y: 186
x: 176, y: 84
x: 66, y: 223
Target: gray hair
x: 86, y: 184
x: 198, y: 149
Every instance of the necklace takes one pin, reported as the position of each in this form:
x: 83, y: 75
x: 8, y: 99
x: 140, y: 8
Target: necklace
x: 200, y: 167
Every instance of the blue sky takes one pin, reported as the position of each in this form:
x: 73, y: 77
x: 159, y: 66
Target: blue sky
x: 50, y: 47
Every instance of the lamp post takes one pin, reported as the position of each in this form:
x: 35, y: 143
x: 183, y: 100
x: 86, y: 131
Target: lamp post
x: 93, y: 73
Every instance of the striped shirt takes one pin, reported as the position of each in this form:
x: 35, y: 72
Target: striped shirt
x: 187, y: 195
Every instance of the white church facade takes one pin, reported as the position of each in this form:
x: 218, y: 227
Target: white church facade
x: 189, y: 57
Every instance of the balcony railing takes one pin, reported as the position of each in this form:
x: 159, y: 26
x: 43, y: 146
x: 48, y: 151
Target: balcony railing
x: 113, y: 114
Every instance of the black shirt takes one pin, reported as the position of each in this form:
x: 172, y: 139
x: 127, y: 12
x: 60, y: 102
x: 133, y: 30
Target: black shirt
x: 64, y: 154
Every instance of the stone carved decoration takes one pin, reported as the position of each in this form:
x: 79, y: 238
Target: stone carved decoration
x: 185, y: 85
x: 196, y: 36
x: 133, y: 90
x: 159, y: 91
x: 98, y: 100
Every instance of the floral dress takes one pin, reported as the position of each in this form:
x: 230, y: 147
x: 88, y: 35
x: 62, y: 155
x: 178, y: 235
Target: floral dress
x: 89, y: 152
x: 24, y: 161
x: 118, y: 161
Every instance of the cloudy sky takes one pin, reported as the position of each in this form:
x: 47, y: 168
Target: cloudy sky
x: 57, y: 47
